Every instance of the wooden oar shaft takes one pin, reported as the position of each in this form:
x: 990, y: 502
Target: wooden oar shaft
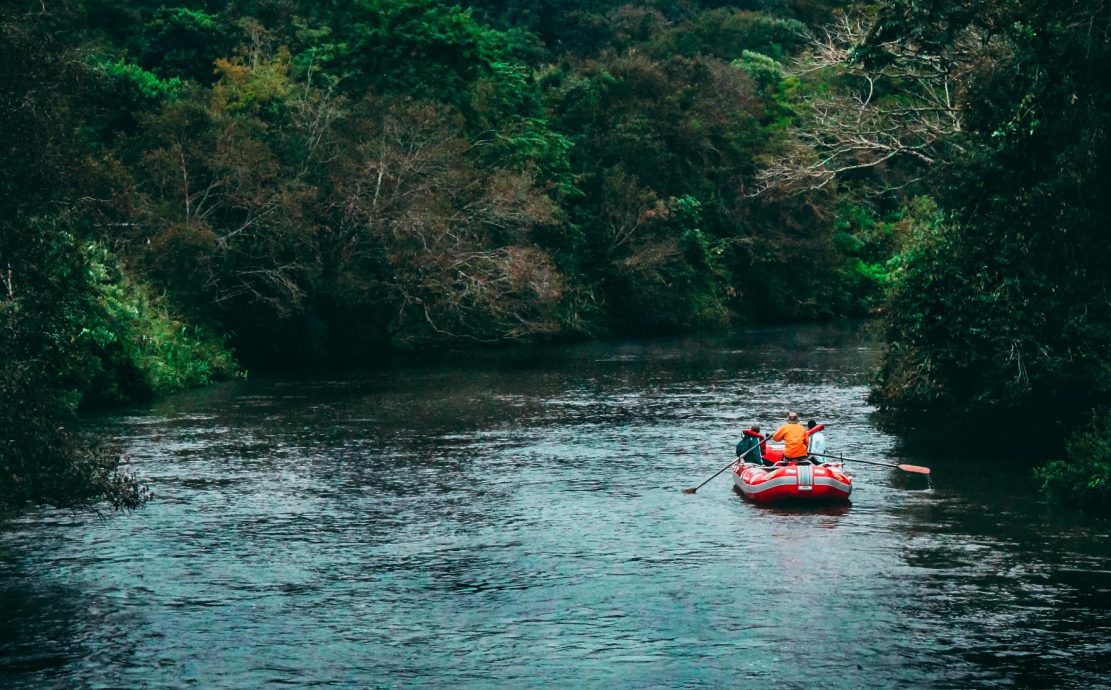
x: 734, y: 462
x: 906, y: 468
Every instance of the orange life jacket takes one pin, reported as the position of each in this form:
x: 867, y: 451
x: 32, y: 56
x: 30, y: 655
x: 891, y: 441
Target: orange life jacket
x: 796, y: 441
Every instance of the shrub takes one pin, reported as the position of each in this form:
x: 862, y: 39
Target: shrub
x: 1084, y: 480
x: 139, y: 347
x: 44, y: 368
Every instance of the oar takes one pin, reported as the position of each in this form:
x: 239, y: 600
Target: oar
x: 916, y: 469
x: 734, y: 462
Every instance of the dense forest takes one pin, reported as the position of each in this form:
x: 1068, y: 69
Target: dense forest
x: 194, y: 188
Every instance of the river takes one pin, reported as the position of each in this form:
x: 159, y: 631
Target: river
x: 516, y: 519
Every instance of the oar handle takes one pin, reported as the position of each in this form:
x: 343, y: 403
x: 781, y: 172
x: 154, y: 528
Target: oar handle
x: 733, y: 462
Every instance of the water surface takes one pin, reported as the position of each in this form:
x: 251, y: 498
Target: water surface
x: 515, y: 519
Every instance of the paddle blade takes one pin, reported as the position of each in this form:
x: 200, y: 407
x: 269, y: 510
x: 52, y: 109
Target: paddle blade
x: 690, y: 490
x: 916, y: 469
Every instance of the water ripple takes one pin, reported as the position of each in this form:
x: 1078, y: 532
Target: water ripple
x: 515, y: 520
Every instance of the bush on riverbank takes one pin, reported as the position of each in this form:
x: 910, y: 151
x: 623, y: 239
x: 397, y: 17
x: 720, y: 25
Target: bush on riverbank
x: 74, y: 329
x: 80, y: 331
x: 1084, y: 479
x: 73, y: 325
x: 43, y: 460
x: 46, y: 366
x: 136, y: 347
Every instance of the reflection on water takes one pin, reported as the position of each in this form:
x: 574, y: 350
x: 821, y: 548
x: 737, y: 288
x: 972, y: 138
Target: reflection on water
x: 515, y: 519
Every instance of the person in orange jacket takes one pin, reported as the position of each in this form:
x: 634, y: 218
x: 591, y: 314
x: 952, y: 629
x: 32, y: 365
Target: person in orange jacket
x: 795, y: 441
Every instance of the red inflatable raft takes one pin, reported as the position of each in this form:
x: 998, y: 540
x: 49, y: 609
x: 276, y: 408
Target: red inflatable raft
x: 793, y: 482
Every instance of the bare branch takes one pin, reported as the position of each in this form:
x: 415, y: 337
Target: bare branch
x: 902, y: 109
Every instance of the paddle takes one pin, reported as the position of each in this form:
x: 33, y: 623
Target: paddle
x: 734, y: 462
x: 915, y: 469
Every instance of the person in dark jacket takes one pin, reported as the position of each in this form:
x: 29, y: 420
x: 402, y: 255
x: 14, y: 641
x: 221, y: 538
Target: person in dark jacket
x: 752, y: 437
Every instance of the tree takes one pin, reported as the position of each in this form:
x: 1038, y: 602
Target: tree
x: 871, y: 102
x: 1001, y: 309
x: 43, y: 276
x: 414, y: 223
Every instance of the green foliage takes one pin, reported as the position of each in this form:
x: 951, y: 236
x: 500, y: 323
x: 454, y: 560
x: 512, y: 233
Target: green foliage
x: 42, y: 458
x: 726, y: 34
x: 139, y: 347
x: 509, y: 115
x: 45, y: 367
x: 870, y: 245
x: 645, y: 183
x: 765, y: 71
x: 142, y: 85
x: 530, y: 142
x: 1084, y: 480
x: 78, y: 330
x: 1000, y: 311
x: 184, y: 42
x: 125, y: 91
x: 418, y: 47
x: 670, y: 280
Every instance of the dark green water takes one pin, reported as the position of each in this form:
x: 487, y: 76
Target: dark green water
x: 516, y: 520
